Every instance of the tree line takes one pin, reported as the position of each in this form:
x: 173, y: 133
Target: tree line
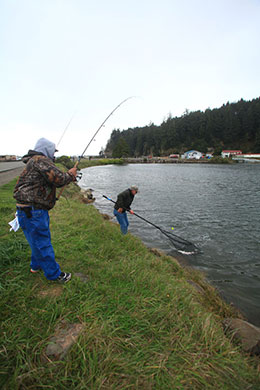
x: 232, y: 126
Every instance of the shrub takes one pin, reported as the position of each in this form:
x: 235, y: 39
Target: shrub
x: 66, y: 161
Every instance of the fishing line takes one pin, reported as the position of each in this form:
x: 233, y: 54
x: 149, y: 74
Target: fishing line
x: 65, y: 129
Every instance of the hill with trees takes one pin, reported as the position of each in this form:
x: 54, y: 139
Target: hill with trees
x: 232, y: 126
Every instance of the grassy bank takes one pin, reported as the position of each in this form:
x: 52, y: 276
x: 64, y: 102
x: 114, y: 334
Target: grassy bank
x: 145, y: 326
x: 102, y: 161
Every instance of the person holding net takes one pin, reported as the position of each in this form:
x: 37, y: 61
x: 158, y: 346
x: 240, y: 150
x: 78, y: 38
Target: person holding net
x: 122, y: 204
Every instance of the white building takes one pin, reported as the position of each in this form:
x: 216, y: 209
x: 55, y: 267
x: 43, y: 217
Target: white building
x: 230, y: 153
x: 192, y: 154
x: 251, y: 155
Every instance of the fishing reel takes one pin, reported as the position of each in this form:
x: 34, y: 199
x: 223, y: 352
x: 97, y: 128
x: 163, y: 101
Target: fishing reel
x: 79, y: 176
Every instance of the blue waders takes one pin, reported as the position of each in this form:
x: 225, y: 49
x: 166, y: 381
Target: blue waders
x: 122, y: 220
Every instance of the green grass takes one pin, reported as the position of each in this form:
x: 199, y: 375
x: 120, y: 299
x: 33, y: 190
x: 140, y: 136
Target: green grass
x: 101, y: 161
x: 145, y: 326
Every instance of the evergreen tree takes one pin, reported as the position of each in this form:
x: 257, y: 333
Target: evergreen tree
x: 232, y: 126
x: 121, y: 149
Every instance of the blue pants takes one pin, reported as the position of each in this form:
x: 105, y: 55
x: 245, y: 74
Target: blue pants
x: 37, y: 232
x: 122, y: 220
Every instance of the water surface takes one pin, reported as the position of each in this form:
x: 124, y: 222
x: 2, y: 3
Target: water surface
x: 214, y: 206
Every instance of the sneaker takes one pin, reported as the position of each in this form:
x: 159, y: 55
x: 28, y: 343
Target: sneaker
x: 64, y: 277
x: 34, y: 271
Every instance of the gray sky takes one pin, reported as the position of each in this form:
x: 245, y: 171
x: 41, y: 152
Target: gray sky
x: 60, y: 57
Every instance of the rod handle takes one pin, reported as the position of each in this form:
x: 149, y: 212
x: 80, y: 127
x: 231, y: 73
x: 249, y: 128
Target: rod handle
x: 61, y: 191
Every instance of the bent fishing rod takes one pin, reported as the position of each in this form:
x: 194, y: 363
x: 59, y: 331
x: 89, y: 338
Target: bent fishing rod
x: 179, y: 243
x: 100, y: 127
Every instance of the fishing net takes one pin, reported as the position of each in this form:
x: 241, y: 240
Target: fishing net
x: 179, y: 243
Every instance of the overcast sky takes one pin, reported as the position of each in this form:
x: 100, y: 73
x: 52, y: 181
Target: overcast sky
x: 60, y: 58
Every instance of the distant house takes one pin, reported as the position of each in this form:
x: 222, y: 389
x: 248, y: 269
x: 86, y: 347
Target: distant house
x: 192, y: 154
x: 7, y: 157
x: 251, y: 155
x: 230, y: 153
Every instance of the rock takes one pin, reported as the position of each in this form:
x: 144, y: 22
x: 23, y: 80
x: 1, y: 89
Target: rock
x: 196, y: 286
x: 65, y: 336
x: 156, y: 252
x: 106, y: 216
x: 87, y: 200
x: 248, y: 334
x: 88, y: 195
x: 256, y: 349
x: 159, y: 253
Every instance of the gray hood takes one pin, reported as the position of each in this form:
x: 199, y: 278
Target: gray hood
x: 45, y: 147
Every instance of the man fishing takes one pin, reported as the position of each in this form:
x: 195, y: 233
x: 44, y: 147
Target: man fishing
x: 122, y: 204
x: 35, y: 194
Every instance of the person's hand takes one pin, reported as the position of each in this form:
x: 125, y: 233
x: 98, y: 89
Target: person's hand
x: 120, y: 210
x: 131, y: 212
x: 73, y: 172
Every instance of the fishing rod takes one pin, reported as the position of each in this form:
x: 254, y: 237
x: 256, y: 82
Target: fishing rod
x: 65, y: 129
x: 102, y: 124
x: 179, y: 243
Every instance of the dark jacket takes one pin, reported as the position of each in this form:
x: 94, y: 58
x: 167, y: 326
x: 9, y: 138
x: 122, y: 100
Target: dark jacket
x: 37, y: 183
x: 124, y: 200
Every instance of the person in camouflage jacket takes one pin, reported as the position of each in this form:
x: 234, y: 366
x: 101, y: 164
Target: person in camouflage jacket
x: 37, y: 183
x: 35, y: 194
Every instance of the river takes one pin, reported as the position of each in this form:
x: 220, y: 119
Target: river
x: 214, y: 206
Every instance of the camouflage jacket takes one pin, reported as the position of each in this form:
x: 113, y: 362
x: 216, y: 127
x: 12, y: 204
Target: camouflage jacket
x: 37, y: 183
